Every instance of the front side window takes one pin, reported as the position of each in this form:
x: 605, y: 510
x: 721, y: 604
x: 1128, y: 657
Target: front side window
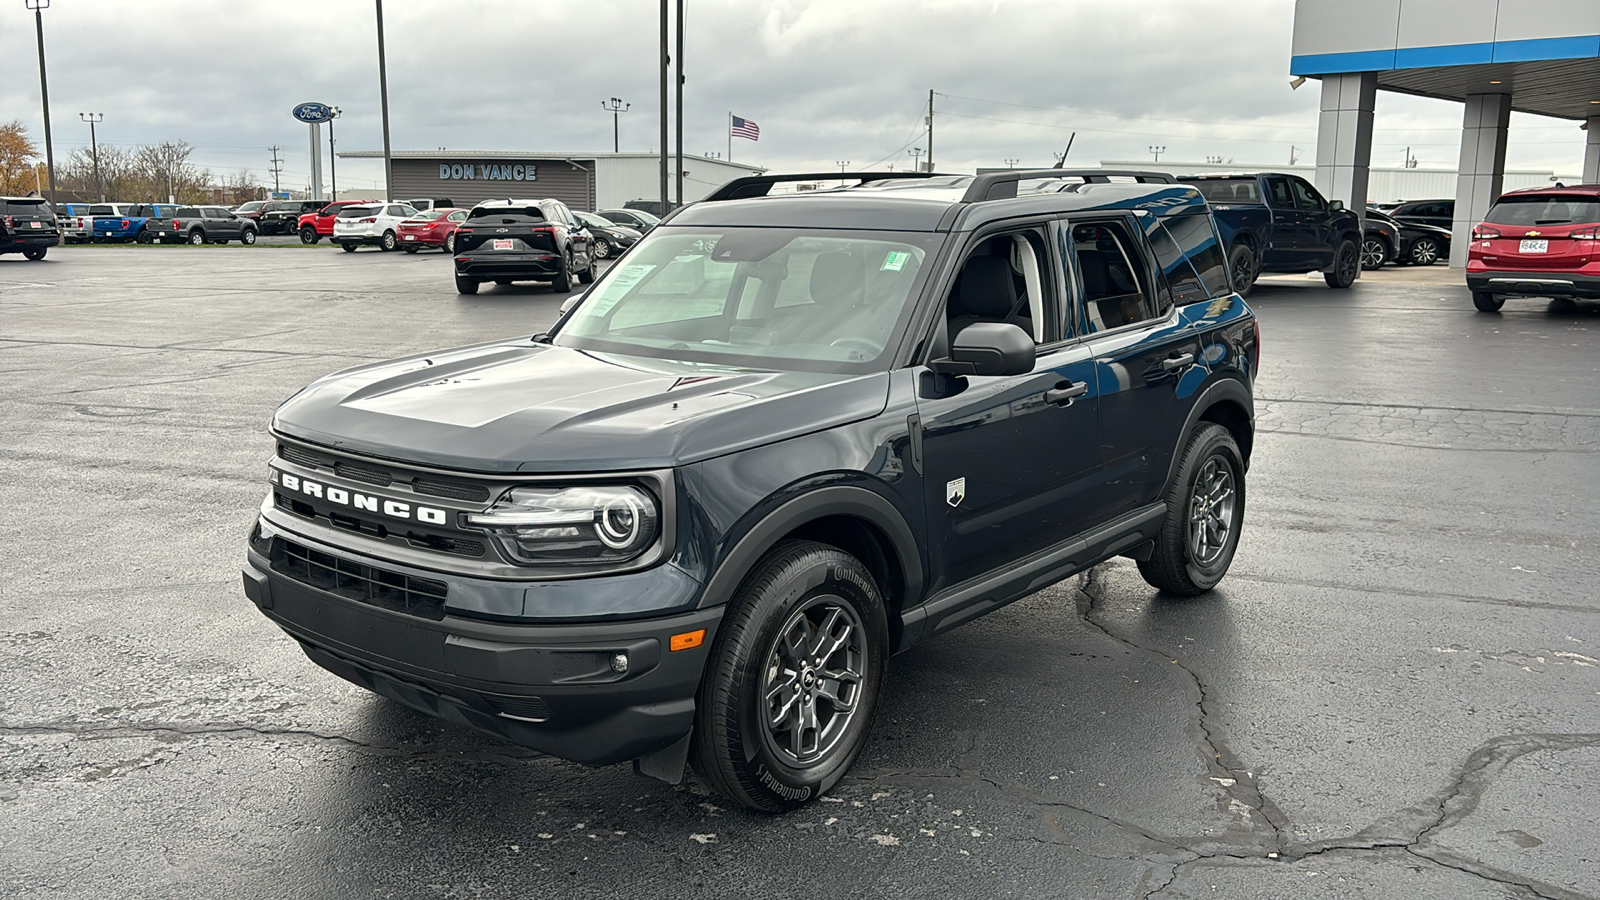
x: 1282, y: 197
x: 1007, y: 278
x: 1116, y: 285
x: 774, y: 298
x: 1306, y: 196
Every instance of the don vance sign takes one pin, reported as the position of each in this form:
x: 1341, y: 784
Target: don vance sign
x: 492, y: 172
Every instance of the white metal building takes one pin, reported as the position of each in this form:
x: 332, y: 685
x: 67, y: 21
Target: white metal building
x: 1492, y: 56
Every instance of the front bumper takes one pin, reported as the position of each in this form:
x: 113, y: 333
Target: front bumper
x: 509, y: 265
x: 550, y: 687
x: 1535, y: 284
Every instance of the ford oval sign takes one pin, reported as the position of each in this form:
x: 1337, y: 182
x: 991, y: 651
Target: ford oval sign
x: 313, y: 112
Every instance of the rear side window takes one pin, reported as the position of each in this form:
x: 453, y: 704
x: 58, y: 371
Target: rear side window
x: 1227, y: 190
x: 1179, y: 281
x: 1550, y: 209
x: 1278, y: 187
x: 1196, y: 236
x: 1116, y: 286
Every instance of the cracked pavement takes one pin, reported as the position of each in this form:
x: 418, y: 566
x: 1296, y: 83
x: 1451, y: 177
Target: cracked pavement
x: 1394, y: 694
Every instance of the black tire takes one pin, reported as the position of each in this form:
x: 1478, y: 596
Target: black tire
x: 347, y: 246
x: 220, y: 241
x: 1346, y: 265
x: 502, y: 281
x: 35, y: 253
x: 410, y: 248
x: 388, y: 241
x: 143, y: 237
x: 197, y: 237
x: 247, y: 237
x: 562, y: 283
x: 1487, y: 302
x: 1192, y: 554
x: 1374, y: 253
x: 602, y: 248
x: 1242, y: 269
x: 587, y: 275
x: 308, y: 235
x: 450, y: 243
x: 800, y: 600
x: 1424, y: 252
x: 465, y: 285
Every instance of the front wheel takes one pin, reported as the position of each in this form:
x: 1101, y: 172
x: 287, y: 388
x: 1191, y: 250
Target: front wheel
x: 1242, y: 269
x: 789, y: 692
x: 465, y: 285
x: 248, y: 237
x: 1346, y: 266
x: 602, y: 248
x: 197, y: 238
x: 411, y: 248
x: 1425, y: 252
x: 1487, y: 302
x: 143, y: 237
x: 450, y: 244
x: 1373, y: 254
x: 388, y: 241
x: 308, y: 235
x: 1205, y: 510
x: 35, y: 253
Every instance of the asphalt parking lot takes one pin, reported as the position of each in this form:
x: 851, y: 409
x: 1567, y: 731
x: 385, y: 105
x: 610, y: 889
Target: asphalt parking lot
x: 1394, y: 694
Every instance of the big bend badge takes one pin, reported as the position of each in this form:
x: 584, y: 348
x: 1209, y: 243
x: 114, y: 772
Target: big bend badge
x: 956, y: 491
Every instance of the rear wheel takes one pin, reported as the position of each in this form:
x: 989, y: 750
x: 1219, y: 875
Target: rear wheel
x: 308, y: 235
x: 1242, y: 268
x: 587, y: 275
x: 347, y: 247
x: 1374, y: 253
x: 562, y: 283
x: 411, y: 248
x: 602, y: 248
x: 790, y: 689
x: 143, y: 237
x: 197, y: 237
x: 1487, y: 302
x: 1205, y: 509
x: 1346, y: 265
x: 1425, y: 252
x: 388, y: 242
x: 450, y: 244
x: 465, y: 285
x: 248, y: 236
x: 35, y: 253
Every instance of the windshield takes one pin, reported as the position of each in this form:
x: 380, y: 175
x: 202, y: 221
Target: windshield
x: 1557, y: 209
x: 594, y: 221
x: 252, y: 206
x: 1226, y: 190
x: 356, y: 212
x: 769, y: 298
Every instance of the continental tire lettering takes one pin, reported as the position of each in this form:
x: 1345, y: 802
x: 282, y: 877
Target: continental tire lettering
x: 796, y: 794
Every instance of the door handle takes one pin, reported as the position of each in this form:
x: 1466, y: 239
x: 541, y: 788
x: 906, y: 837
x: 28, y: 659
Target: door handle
x: 1174, y: 363
x: 1063, y: 396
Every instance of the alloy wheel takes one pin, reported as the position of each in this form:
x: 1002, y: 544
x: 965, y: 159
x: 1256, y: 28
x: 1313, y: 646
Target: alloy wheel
x: 1211, y: 511
x: 1372, y: 254
x: 1425, y: 253
x: 812, y: 683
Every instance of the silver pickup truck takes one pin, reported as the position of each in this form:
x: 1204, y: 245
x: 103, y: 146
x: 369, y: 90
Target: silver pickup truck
x: 202, y: 225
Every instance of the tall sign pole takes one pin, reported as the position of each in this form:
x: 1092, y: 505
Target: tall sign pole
x: 314, y: 114
x: 677, y: 106
x: 383, y: 97
x: 666, y: 60
x: 333, y: 162
x: 44, y: 92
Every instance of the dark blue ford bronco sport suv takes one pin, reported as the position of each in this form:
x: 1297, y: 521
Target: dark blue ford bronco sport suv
x: 781, y: 439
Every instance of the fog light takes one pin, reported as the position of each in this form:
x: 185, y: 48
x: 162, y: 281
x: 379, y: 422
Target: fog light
x: 619, y: 663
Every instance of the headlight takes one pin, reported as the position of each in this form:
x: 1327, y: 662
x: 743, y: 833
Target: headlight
x: 575, y: 525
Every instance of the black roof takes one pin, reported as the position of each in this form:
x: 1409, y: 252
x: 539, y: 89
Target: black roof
x: 932, y: 202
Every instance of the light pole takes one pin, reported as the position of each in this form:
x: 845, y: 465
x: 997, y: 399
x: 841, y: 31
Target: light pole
x: 1157, y: 151
x: 841, y: 163
x: 333, y: 166
x: 915, y: 153
x: 617, y: 107
x: 94, y: 149
x: 44, y: 91
x: 383, y: 96
x: 1012, y: 163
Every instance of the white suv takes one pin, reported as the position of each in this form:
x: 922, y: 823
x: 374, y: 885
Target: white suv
x: 370, y: 223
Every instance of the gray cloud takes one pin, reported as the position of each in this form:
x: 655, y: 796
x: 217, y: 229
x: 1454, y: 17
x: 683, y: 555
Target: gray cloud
x: 826, y: 79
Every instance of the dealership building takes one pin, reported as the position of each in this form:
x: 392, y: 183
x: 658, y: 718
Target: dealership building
x: 583, y: 181
x: 1491, y: 56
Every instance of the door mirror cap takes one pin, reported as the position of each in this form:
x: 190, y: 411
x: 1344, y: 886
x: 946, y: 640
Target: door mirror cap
x: 989, y: 348
x: 1336, y: 205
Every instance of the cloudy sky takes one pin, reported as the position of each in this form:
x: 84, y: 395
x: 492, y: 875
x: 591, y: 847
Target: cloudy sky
x: 827, y: 80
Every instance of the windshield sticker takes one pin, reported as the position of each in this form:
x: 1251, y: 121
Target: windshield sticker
x: 895, y: 261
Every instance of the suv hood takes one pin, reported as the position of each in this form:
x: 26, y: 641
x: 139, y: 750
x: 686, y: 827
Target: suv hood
x: 526, y: 407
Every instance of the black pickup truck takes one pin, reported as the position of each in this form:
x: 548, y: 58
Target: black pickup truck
x: 1272, y: 222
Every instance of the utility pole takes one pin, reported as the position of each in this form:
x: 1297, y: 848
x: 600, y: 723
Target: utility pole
x: 333, y: 165
x: 617, y: 107
x: 930, y: 129
x: 383, y: 96
x: 277, y: 168
x: 94, y: 149
x: 1292, y: 158
x: 666, y: 63
x: 677, y: 111
x: 44, y: 91
x: 1157, y: 151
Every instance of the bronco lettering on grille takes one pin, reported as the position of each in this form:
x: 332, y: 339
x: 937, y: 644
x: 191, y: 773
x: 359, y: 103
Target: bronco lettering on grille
x: 358, y: 500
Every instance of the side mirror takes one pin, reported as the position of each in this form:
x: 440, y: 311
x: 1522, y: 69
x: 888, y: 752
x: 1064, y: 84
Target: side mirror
x: 1336, y: 205
x: 989, y: 348
x: 569, y: 303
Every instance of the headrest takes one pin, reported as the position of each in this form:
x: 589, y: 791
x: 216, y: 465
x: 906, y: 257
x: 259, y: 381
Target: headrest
x: 1096, y: 277
x: 986, y: 288
x: 835, y: 279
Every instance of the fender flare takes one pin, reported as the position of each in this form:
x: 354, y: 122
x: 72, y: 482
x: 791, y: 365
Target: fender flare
x: 1226, y: 388
x: 833, y: 500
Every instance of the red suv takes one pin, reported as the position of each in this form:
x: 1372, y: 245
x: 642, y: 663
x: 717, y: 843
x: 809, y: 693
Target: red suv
x: 1541, y: 242
x: 317, y: 225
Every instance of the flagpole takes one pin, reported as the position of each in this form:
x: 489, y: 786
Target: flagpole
x: 730, y: 135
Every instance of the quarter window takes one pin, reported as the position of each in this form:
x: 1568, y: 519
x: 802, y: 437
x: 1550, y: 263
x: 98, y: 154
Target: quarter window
x: 1197, y: 237
x: 1116, y: 286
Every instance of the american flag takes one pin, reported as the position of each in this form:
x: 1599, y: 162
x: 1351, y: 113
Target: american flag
x: 745, y: 128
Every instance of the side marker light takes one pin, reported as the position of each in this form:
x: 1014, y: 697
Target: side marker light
x: 688, y: 640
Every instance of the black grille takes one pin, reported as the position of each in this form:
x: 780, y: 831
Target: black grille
x: 521, y: 707
x: 367, y: 584
x: 296, y: 455
x: 362, y: 472
x: 452, y: 489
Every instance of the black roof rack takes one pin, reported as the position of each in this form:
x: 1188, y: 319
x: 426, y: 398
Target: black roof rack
x: 1003, y: 185
x: 760, y: 185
